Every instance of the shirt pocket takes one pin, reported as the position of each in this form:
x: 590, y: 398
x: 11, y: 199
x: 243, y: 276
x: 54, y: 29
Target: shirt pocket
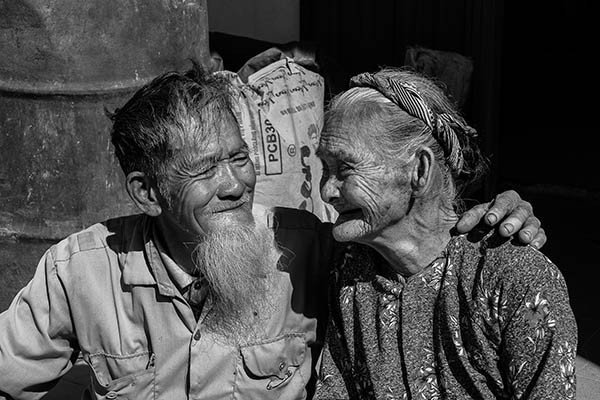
x: 130, y: 376
x: 274, y: 369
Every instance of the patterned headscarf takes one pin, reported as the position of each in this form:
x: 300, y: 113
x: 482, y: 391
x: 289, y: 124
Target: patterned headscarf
x: 444, y: 127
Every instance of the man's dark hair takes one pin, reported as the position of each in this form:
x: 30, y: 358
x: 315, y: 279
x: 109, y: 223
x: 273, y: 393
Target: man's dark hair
x: 163, y: 112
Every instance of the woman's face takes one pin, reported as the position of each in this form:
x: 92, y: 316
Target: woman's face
x: 369, y: 192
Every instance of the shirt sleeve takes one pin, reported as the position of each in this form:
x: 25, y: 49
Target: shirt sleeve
x: 36, y: 340
x: 538, y: 339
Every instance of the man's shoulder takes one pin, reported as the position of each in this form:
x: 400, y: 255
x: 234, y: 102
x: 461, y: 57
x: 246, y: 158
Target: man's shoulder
x: 108, y: 234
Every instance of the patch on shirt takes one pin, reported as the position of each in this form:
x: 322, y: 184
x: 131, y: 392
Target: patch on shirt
x: 86, y: 241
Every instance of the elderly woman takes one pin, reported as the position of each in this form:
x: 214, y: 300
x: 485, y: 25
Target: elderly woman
x: 421, y: 311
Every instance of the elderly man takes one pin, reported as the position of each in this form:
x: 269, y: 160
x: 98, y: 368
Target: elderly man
x: 200, y: 296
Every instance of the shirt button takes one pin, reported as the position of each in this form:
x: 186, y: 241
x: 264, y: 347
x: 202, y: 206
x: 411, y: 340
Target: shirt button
x: 197, y: 285
x: 197, y: 335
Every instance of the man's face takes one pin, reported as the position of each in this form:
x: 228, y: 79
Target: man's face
x: 365, y: 189
x: 211, y: 183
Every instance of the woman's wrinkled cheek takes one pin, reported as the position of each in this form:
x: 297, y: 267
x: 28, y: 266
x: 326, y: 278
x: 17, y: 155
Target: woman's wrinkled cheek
x: 370, y: 198
x: 371, y: 211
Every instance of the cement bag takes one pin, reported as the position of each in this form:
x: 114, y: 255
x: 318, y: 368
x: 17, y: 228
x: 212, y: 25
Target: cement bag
x: 281, y: 117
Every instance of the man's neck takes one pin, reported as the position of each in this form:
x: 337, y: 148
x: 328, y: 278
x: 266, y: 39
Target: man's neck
x: 176, y: 244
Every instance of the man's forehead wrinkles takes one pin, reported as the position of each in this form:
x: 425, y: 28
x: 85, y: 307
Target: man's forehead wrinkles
x: 201, y: 158
x: 191, y: 159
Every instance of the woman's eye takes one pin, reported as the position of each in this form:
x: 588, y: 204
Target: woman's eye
x: 343, y: 169
x: 325, y: 169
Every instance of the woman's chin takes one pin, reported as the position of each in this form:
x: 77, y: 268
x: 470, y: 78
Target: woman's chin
x: 350, y: 230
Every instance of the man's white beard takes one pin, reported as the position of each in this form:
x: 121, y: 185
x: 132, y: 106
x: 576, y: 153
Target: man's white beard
x: 238, y: 263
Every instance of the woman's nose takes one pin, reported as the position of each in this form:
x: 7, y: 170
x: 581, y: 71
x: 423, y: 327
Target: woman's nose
x: 330, y: 190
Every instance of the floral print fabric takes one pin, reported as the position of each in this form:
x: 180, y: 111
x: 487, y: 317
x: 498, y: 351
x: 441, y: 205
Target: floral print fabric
x: 487, y: 319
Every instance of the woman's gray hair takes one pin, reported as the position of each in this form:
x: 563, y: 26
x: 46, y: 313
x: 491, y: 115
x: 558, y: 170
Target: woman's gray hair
x: 395, y: 134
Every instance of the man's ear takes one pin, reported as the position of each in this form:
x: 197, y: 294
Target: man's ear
x: 144, y: 193
x: 422, y: 171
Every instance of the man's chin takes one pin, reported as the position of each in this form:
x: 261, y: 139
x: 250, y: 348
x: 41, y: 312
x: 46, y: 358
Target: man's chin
x: 241, y: 216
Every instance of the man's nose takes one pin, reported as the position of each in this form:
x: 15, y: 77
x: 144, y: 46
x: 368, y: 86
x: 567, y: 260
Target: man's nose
x: 330, y: 190
x: 230, y: 184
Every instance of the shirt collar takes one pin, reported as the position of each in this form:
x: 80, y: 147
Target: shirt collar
x: 142, y: 264
x: 180, y: 277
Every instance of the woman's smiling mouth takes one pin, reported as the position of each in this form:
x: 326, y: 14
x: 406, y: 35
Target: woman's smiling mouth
x: 346, y: 215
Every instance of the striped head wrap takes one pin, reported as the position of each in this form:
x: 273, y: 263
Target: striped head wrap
x: 444, y: 127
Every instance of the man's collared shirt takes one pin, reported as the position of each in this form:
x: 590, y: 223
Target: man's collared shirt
x: 105, y: 292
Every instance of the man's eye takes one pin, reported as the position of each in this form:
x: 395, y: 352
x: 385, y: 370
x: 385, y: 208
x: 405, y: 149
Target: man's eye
x: 207, y: 173
x: 241, y: 158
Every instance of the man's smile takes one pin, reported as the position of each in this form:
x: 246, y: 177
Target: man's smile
x: 225, y: 206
